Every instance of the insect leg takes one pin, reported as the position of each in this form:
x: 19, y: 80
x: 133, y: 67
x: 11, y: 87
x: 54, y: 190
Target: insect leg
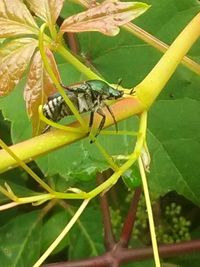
x: 100, y: 112
x: 112, y: 114
x: 102, y: 122
x: 91, y: 119
x: 90, y: 124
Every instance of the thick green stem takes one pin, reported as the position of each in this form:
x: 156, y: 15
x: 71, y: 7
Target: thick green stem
x: 39, y: 145
x: 25, y: 167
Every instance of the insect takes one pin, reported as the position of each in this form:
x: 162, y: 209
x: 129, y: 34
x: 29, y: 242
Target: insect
x: 87, y: 96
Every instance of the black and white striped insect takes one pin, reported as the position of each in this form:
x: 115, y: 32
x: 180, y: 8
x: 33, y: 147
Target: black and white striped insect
x: 87, y: 96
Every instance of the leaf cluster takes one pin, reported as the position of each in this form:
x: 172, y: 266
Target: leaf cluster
x: 173, y: 126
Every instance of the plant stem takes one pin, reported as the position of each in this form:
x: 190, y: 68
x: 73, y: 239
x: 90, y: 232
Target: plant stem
x: 136, y: 254
x: 150, y: 213
x: 109, y: 239
x: 25, y: 167
x: 130, y: 219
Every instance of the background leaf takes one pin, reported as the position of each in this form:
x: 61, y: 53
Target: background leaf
x: 173, y: 138
x: 175, y: 147
x: 19, y: 236
x: 15, y: 57
x: 47, y: 10
x: 15, y: 21
x: 38, y: 87
x: 105, y: 18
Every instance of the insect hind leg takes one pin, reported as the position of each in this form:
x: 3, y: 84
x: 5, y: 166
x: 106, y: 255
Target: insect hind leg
x: 91, y: 119
x: 102, y: 122
x: 112, y: 114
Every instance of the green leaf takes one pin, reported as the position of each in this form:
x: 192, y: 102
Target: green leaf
x: 174, y: 142
x: 14, y: 110
x: 187, y: 260
x: 20, y: 241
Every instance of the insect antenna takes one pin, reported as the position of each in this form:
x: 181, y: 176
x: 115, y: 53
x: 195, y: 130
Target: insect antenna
x: 64, y: 86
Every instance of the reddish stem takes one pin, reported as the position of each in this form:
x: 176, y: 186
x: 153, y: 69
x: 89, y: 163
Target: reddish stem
x: 127, y: 255
x: 109, y: 239
x: 130, y: 219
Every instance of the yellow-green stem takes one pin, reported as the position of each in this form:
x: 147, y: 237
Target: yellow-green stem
x: 133, y: 157
x: 150, y: 213
x: 108, y: 183
x: 39, y: 145
x: 9, y: 206
x: 57, y: 125
x: 25, y: 167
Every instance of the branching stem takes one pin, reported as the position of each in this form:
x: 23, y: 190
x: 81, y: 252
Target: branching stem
x: 62, y: 234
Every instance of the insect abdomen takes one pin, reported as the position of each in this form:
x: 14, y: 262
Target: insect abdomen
x: 56, y: 108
